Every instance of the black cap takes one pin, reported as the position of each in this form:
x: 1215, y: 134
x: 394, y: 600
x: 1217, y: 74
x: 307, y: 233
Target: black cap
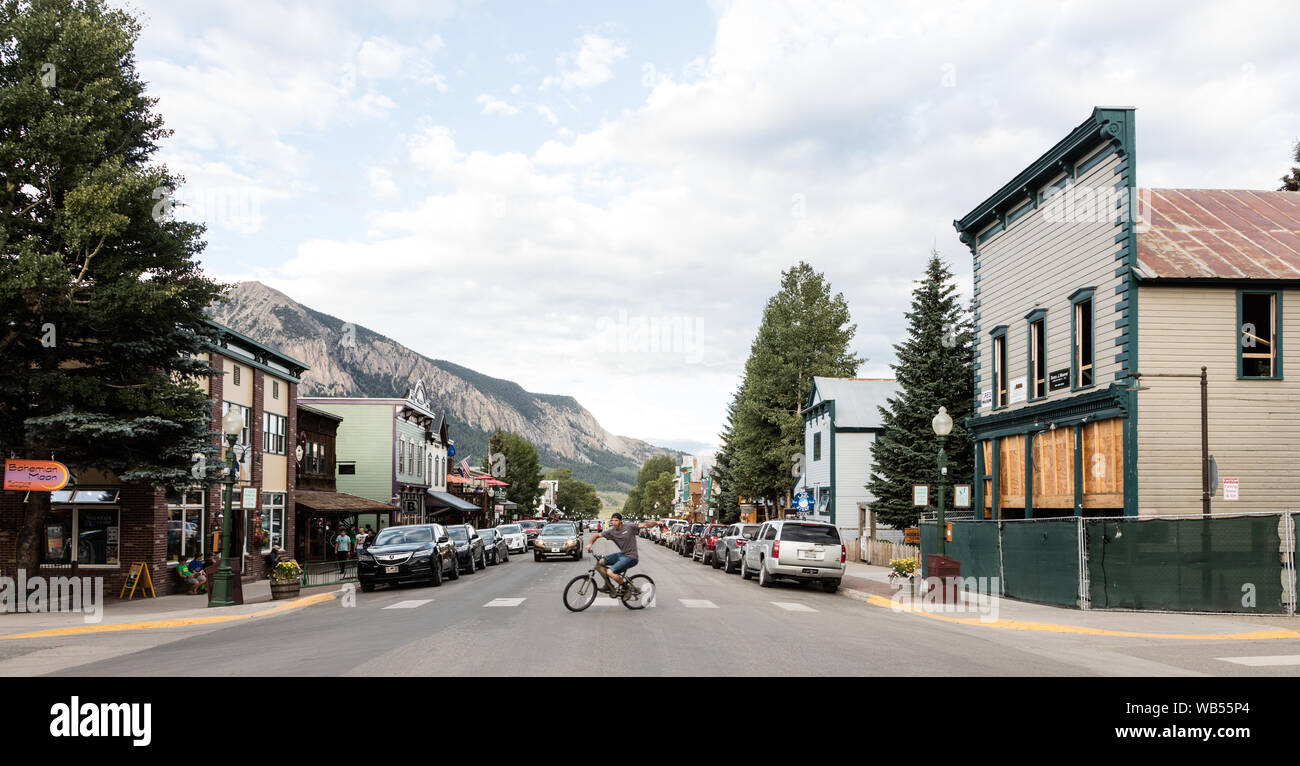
x: 618, y: 516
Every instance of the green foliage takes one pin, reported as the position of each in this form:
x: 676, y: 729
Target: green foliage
x: 935, y: 369
x: 657, y: 497
x: 522, y: 469
x: 577, y: 499
x: 724, y: 497
x: 103, y: 300
x: 805, y: 332
x: 1291, y: 181
x: 650, y: 490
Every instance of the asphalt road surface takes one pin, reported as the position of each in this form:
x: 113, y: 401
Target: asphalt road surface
x: 510, y: 620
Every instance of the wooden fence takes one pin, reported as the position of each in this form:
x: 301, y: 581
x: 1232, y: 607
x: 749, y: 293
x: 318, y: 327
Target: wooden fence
x: 879, y: 552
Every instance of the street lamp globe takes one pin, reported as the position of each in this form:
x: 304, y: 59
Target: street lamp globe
x: 942, y: 423
x: 232, y: 423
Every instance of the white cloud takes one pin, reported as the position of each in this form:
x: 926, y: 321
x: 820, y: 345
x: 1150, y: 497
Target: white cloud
x: 590, y: 65
x: 496, y: 106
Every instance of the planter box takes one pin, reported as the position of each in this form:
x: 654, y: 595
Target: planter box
x: 283, y: 590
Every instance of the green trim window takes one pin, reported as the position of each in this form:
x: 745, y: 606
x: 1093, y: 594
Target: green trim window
x: 999, y: 334
x: 1259, y: 332
x: 1037, y: 347
x: 273, y: 433
x: 275, y: 389
x: 1083, y: 334
x: 235, y: 376
x: 817, y: 446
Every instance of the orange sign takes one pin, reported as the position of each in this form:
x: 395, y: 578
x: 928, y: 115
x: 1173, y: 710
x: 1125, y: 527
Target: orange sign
x: 912, y: 535
x: 35, y: 475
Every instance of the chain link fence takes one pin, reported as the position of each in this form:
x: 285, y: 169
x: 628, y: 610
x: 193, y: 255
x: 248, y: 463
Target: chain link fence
x: 1242, y: 563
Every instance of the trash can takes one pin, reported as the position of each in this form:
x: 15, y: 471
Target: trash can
x: 945, y: 569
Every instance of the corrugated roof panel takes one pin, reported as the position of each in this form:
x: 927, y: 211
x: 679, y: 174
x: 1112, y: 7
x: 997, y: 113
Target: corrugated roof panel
x: 1220, y: 234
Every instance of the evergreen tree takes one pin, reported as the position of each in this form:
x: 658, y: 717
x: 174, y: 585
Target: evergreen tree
x: 651, y: 469
x: 805, y: 332
x: 577, y: 499
x: 100, y: 292
x: 724, y: 496
x: 935, y: 369
x: 1291, y: 181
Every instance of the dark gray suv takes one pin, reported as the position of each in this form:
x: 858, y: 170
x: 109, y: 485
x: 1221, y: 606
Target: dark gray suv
x: 728, y: 550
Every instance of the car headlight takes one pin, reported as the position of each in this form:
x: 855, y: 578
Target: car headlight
x: 570, y: 543
x: 421, y: 554
x: 462, y: 546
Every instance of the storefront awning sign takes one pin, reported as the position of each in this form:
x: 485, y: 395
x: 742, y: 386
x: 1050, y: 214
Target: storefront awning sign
x: 35, y: 475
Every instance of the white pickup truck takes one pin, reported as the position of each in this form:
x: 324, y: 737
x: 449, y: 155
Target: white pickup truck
x: 804, y: 551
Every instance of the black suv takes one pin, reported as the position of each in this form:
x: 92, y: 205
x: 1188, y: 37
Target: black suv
x: 412, y: 552
x: 686, y: 540
x: 469, y: 547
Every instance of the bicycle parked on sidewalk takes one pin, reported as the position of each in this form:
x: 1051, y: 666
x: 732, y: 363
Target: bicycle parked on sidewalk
x: 637, y: 592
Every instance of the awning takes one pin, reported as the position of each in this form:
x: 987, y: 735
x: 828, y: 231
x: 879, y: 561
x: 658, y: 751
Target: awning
x: 446, y: 500
x: 454, y: 479
x: 491, y: 482
x: 321, y: 501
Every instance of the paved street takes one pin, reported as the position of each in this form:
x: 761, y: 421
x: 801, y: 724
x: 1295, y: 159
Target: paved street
x: 509, y: 620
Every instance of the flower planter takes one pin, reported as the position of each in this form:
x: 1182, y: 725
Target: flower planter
x: 284, y: 589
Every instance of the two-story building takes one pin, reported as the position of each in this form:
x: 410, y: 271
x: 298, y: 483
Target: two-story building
x: 842, y: 421
x: 391, y: 450
x: 1083, y: 283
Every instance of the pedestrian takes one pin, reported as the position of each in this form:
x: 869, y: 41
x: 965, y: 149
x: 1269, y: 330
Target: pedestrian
x: 352, y: 533
x: 362, y: 537
x: 342, y: 545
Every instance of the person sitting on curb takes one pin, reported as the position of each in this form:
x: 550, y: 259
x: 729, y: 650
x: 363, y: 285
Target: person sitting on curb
x: 196, y: 566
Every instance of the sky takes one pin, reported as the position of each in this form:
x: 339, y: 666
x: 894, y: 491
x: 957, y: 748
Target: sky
x: 597, y: 199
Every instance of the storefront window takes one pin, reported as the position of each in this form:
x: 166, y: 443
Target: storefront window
x: 185, y: 522
x: 58, y: 537
x: 273, y: 520
x: 97, y: 536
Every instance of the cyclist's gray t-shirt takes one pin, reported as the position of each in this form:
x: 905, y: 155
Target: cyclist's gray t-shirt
x: 624, y: 537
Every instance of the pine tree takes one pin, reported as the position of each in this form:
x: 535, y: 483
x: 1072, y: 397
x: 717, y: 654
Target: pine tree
x: 724, y: 496
x: 1291, y: 181
x: 100, y: 292
x: 805, y: 332
x: 935, y: 369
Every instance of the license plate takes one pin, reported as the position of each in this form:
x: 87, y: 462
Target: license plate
x: 390, y: 570
x: 814, y: 555
x: 810, y: 571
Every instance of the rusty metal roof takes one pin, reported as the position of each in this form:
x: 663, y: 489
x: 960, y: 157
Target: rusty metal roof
x: 1219, y: 234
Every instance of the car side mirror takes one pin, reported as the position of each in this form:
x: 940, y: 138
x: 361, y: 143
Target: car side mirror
x: 444, y: 539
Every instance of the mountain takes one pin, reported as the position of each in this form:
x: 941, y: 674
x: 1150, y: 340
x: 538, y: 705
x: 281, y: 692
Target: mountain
x: 358, y: 362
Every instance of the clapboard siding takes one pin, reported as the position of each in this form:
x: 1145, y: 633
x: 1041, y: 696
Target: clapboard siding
x: 1254, y: 425
x: 1038, y: 263
x: 852, y: 471
x: 366, y: 437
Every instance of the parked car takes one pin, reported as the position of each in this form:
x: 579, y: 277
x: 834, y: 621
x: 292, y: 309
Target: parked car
x: 495, y: 549
x: 702, y: 551
x: 531, y: 527
x: 409, y: 552
x: 516, y: 538
x: 655, y: 534
x: 803, y: 551
x: 558, y: 539
x: 469, y: 547
x: 731, y: 546
x: 686, y: 540
x: 674, y: 532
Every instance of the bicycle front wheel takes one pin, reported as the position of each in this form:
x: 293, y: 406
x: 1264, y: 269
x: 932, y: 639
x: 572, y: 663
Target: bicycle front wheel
x: 638, y: 592
x: 580, y: 593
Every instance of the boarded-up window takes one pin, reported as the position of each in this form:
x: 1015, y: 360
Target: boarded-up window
x: 987, y: 447
x: 1011, y: 471
x: 1054, y: 468
x: 1103, y: 463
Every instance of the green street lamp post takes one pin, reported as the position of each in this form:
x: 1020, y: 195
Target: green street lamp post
x: 232, y: 424
x: 942, y: 425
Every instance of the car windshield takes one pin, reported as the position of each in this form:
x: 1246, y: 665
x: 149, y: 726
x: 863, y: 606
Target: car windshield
x: 749, y: 529
x: 559, y: 530
x: 510, y: 529
x: 459, y: 534
x: 717, y: 531
x: 528, y: 524
x: 397, y: 536
x: 810, y: 533
x: 695, y: 528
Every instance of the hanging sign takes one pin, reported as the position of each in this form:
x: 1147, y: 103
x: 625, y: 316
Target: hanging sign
x: 250, y: 497
x: 803, y: 501
x: 35, y: 475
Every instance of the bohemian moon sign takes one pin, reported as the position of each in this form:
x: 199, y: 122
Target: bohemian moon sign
x: 35, y: 475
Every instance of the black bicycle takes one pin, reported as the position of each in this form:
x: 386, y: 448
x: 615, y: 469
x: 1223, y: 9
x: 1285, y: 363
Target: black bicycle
x: 638, y: 591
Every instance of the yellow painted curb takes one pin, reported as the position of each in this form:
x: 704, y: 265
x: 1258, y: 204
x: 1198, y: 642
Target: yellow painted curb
x: 297, y: 603
x: 1048, y: 627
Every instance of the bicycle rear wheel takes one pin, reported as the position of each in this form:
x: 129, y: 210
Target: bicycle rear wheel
x: 580, y: 593
x: 638, y: 592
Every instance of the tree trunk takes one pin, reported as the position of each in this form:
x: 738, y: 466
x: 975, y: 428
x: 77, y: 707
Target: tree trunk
x: 29, y: 535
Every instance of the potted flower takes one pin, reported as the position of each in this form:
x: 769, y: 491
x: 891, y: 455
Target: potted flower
x: 900, y: 570
x: 286, y: 579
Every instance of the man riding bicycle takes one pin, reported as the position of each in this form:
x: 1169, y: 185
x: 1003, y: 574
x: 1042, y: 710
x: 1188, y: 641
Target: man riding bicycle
x: 624, y: 536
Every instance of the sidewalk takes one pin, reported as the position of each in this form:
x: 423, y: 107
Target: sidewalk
x: 176, y: 610
x: 865, y: 582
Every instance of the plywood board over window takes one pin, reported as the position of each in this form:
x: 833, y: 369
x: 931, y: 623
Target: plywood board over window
x: 1103, y: 463
x: 987, y: 447
x: 1054, y: 468
x: 1011, y: 471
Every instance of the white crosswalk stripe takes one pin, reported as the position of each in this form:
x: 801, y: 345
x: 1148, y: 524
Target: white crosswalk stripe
x: 791, y: 606
x: 409, y: 604
x: 505, y: 602
x: 1266, y: 661
x: 697, y: 603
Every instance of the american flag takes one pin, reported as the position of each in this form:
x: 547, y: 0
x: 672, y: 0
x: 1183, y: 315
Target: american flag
x: 464, y: 467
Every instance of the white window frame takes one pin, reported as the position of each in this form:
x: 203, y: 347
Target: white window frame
x: 185, y: 507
